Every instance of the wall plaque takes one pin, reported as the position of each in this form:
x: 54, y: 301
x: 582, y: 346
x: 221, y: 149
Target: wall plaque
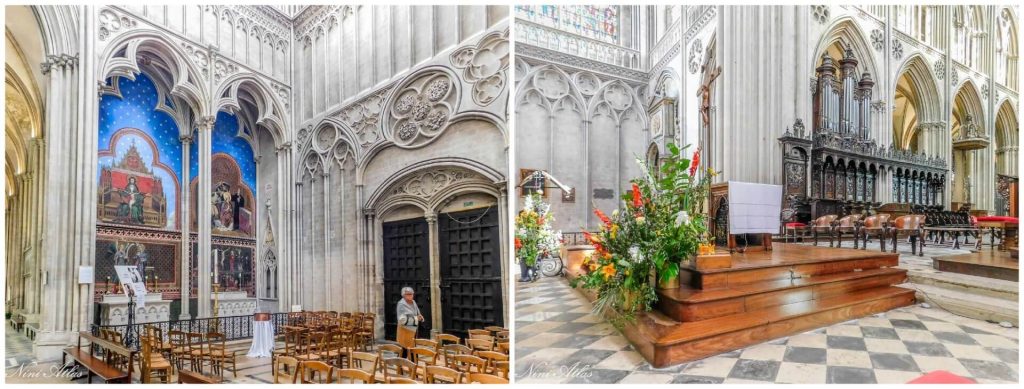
x: 604, y: 194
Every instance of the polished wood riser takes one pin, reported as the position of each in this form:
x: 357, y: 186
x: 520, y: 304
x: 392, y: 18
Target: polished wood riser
x: 729, y: 302
x: 664, y: 342
x: 702, y: 305
x: 988, y: 263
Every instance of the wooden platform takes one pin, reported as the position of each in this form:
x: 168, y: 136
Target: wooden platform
x: 986, y: 263
x: 740, y: 300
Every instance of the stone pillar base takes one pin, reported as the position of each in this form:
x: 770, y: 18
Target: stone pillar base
x: 49, y: 345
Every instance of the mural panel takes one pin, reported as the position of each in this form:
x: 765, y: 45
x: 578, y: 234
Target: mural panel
x: 233, y: 165
x: 139, y: 159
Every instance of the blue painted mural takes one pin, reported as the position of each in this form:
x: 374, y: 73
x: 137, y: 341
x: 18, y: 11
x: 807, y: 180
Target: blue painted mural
x: 139, y: 158
x: 233, y: 165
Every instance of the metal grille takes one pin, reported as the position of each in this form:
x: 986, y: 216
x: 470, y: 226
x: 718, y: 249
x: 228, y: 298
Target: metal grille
x: 161, y: 264
x: 233, y: 327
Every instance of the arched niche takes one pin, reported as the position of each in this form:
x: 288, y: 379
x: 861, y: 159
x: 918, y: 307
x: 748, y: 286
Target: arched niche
x: 916, y: 102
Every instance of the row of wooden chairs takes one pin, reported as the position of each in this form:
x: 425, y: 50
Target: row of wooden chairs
x: 861, y: 229
x: 199, y: 350
x: 293, y: 371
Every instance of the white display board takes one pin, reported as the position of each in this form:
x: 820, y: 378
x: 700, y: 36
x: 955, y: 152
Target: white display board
x: 132, y: 284
x: 754, y: 208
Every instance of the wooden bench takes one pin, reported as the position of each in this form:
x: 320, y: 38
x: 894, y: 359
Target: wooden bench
x: 17, y: 321
x: 98, y: 366
x: 191, y: 377
x: 30, y: 330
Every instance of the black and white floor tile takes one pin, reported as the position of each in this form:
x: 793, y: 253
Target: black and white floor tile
x: 558, y: 340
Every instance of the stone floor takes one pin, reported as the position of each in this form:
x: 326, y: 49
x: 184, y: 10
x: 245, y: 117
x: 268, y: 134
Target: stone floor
x: 558, y: 340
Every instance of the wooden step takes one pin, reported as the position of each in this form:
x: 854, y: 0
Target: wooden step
x: 783, y: 264
x: 663, y: 341
x: 689, y: 305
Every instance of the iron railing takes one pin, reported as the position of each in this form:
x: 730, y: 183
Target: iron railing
x: 233, y: 327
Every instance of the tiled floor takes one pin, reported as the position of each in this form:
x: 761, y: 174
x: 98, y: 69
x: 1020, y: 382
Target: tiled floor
x: 558, y: 340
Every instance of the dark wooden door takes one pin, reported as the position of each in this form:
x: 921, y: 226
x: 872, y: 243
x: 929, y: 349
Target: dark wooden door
x: 406, y: 263
x: 471, y: 287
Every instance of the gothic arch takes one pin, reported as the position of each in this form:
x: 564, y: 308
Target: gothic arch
x: 916, y: 97
x: 845, y: 31
x: 551, y: 83
x: 250, y: 95
x: 421, y: 107
x: 380, y: 197
x: 967, y: 101
x: 181, y: 77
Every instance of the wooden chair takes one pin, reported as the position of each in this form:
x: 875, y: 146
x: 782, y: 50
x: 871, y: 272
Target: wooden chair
x: 395, y: 349
x: 451, y: 350
x: 353, y: 375
x: 427, y: 343
x: 873, y: 226
x: 423, y: 356
x: 313, y: 344
x: 442, y: 375
x: 399, y: 367
x: 501, y: 369
x: 823, y: 225
x: 480, y: 378
x: 469, y: 363
x: 474, y: 334
x: 846, y: 226
x: 286, y: 370
x: 312, y: 369
x: 179, y: 352
x: 443, y: 339
x: 494, y: 329
x: 197, y: 353
x: 401, y: 380
x: 292, y: 338
x: 219, y: 354
x: 911, y: 226
x: 152, y: 363
x: 503, y: 346
x: 367, y: 362
x: 501, y: 336
x: 159, y: 344
x: 492, y: 357
x: 365, y: 332
x: 480, y: 344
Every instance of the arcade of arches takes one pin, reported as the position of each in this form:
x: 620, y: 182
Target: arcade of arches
x: 247, y: 158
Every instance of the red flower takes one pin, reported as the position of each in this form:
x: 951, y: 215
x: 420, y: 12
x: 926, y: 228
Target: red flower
x: 604, y: 218
x: 695, y: 162
x: 638, y: 199
x: 519, y: 244
x: 540, y: 221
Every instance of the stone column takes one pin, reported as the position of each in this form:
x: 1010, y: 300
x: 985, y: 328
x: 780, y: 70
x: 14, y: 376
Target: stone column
x: 505, y: 236
x: 329, y: 287
x: 435, y: 270
x: 205, y: 191
x: 184, y: 209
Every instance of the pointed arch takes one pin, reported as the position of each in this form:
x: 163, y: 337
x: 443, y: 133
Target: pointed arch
x: 967, y: 101
x: 916, y: 97
x: 256, y: 100
x: 846, y: 32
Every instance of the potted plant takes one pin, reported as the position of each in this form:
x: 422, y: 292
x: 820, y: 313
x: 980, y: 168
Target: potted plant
x: 659, y: 228
x: 534, y: 235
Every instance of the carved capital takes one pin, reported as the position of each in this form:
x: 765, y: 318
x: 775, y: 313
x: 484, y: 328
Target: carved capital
x: 60, y: 61
x: 206, y: 123
x: 431, y: 218
x: 185, y: 139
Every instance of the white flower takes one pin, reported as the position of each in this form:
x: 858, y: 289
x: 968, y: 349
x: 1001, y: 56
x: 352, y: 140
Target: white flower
x: 634, y: 253
x: 682, y: 218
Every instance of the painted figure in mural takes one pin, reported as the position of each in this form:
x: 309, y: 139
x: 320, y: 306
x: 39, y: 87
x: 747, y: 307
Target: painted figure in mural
x: 131, y: 211
x: 223, y: 212
x: 141, y: 257
x: 237, y: 202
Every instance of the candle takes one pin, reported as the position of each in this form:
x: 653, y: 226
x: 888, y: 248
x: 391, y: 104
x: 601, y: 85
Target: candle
x: 216, y: 262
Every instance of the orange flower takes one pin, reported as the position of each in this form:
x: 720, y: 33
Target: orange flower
x: 604, y: 218
x: 695, y: 161
x: 638, y: 198
x: 519, y: 244
x: 608, y: 271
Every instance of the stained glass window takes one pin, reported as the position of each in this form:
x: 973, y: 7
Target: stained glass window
x: 599, y: 22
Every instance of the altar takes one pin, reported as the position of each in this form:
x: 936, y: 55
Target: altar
x: 114, y: 309
x: 233, y: 303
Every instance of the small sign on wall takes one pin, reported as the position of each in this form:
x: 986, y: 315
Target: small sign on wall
x: 86, y: 274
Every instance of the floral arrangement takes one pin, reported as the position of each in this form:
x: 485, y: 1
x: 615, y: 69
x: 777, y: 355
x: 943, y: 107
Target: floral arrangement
x: 534, y: 234
x: 660, y: 227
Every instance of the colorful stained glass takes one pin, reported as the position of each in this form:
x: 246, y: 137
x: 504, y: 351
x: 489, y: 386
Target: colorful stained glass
x: 599, y: 22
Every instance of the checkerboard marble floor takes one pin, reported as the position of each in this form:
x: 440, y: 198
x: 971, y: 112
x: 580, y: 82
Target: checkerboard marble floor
x: 558, y: 340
